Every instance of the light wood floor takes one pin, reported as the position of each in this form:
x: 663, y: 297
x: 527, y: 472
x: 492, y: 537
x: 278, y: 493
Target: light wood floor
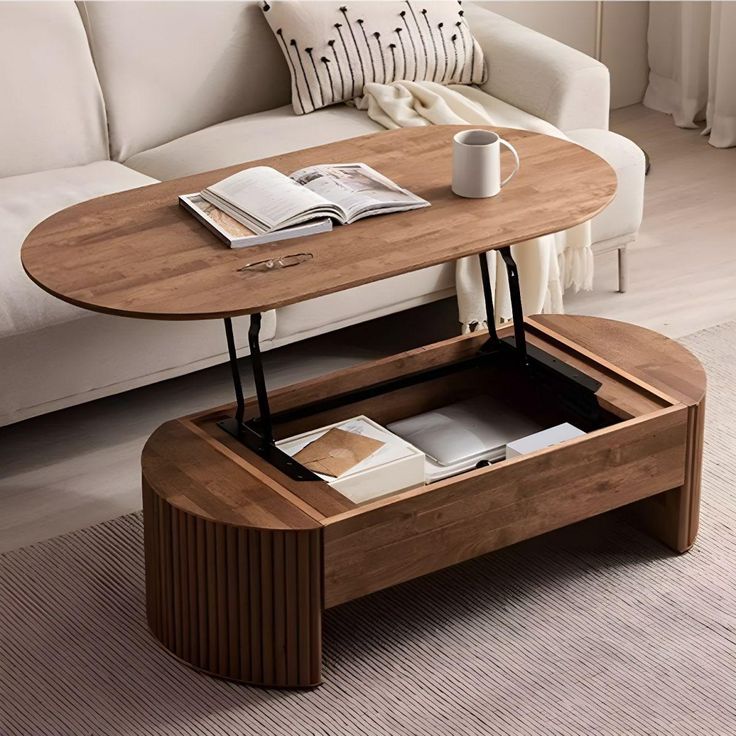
x: 683, y: 265
x: 80, y: 466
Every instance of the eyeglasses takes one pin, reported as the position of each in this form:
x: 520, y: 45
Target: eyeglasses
x: 271, y: 264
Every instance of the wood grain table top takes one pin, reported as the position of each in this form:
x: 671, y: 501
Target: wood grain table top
x: 139, y: 254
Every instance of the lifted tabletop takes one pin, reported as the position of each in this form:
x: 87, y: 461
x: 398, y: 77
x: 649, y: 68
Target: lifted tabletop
x: 139, y: 254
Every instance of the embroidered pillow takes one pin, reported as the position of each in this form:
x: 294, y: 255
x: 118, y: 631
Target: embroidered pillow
x: 334, y: 50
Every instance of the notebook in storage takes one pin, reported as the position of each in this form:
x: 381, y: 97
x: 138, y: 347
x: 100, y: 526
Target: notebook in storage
x: 395, y: 466
x: 270, y: 206
x: 458, y: 436
x: 540, y: 440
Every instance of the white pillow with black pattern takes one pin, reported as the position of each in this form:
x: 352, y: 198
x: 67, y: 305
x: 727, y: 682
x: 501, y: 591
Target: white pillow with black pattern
x: 334, y: 49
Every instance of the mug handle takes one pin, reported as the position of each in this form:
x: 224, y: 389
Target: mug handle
x: 516, y: 159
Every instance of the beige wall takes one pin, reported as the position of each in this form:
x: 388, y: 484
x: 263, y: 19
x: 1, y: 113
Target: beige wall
x: 572, y: 23
x: 624, y: 42
x: 624, y: 50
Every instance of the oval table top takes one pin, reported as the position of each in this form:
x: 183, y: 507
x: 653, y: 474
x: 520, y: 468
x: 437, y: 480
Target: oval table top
x: 139, y: 254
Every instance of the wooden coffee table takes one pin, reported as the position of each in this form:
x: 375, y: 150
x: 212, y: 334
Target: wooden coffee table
x: 245, y: 548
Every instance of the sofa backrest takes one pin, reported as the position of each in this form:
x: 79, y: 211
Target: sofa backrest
x: 170, y: 68
x: 51, y: 109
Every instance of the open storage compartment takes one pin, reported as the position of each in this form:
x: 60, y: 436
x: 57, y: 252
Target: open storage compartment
x: 634, y: 447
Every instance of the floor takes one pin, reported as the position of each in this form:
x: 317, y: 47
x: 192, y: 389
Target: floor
x: 71, y: 469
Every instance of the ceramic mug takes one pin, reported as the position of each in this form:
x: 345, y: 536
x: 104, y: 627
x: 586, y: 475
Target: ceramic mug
x: 476, y: 163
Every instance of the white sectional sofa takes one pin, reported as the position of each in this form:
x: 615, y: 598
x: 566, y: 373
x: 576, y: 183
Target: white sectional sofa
x: 97, y: 97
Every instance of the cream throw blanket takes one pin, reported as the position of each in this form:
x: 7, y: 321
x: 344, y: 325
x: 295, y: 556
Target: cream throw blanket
x: 547, y: 265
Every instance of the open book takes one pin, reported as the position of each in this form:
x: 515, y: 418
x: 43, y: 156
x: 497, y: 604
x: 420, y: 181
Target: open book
x: 270, y: 206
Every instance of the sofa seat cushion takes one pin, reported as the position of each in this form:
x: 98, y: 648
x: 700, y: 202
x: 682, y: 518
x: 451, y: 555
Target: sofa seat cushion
x: 362, y: 303
x: 251, y: 137
x: 623, y: 216
x: 27, y: 200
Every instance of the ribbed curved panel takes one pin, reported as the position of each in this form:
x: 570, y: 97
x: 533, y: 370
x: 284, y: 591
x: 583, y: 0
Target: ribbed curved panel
x: 238, y: 603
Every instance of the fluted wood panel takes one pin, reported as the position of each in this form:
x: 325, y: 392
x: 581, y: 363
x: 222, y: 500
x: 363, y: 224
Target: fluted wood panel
x: 238, y: 602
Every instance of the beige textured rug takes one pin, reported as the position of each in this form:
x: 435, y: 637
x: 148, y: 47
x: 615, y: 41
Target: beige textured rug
x: 595, y: 629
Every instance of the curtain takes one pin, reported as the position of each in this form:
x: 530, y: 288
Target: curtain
x: 692, y: 66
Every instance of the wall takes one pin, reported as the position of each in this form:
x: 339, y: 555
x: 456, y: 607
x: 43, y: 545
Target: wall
x: 625, y: 50
x: 624, y: 41
x: 573, y: 23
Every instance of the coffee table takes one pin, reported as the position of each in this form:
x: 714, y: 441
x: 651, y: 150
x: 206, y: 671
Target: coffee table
x: 245, y: 548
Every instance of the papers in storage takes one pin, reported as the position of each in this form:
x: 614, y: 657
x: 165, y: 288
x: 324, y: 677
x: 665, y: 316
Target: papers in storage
x: 337, y: 451
x: 394, y: 467
x: 540, y: 440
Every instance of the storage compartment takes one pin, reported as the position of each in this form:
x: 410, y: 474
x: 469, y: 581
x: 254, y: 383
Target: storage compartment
x: 476, y: 380
x: 503, y: 380
x: 634, y: 447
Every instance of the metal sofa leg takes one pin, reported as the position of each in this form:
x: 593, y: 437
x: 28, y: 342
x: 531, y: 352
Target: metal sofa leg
x: 623, y: 269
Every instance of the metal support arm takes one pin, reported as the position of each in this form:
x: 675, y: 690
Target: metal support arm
x: 257, y: 433
x: 516, y: 311
x: 493, y: 340
x: 546, y: 373
x: 238, y: 386
x: 264, y: 420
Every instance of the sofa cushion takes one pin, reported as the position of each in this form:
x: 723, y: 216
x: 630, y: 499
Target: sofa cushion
x: 623, y: 216
x: 52, y: 110
x: 249, y: 138
x: 332, y: 311
x: 170, y: 68
x: 24, y: 202
x: 334, y: 50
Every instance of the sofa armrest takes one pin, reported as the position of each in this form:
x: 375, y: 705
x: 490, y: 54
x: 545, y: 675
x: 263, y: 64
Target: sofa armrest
x: 540, y: 75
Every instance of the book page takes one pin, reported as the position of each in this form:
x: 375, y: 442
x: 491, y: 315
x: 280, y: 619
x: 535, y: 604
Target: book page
x: 357, y: 188
x: 268, y: 197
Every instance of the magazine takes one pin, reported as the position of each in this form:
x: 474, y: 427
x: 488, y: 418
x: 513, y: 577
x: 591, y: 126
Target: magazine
x: 272, y: 206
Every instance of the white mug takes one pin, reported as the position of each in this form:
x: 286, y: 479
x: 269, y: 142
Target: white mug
x: 476, y: 163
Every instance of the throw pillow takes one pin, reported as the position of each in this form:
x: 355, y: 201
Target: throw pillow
x: 333, y: 50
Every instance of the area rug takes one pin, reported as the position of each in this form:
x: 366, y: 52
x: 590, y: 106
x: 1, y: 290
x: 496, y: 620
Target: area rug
x: 594, y: 629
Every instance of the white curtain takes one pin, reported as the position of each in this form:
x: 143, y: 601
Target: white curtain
x: 692, y: 66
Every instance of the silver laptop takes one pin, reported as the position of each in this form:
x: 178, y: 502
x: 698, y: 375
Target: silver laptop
x: 465, y: 430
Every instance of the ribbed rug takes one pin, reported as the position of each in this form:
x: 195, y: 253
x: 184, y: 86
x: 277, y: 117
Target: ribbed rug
x: 594, y: 629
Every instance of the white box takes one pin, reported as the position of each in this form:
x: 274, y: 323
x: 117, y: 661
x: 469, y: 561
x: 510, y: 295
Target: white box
x: 540, y: 440
x: 394, y: 467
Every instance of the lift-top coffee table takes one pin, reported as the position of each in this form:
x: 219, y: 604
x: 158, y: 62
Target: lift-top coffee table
x: 245, y: 548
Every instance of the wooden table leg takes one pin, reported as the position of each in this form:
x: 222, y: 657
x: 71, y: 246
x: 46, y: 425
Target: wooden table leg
x: 673, y: 516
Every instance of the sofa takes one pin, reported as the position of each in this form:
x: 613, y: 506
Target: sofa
x: 99, y: 97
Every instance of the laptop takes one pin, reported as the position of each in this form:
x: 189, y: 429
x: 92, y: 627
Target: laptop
x: 465, y: 432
